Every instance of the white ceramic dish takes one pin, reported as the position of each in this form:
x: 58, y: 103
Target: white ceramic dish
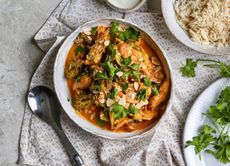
x: 62, y: 90
x: 180, y: 34
x: 113, y: 5
x: 195, y: 120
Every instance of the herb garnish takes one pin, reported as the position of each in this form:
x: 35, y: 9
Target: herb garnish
x: 133, y: 109
x: 102, y: 76
x: 119, y: 111
x: 127, y: 61
x: 188, y: 70
x: 109, y: 68
x: 113, y: 93
x: 94, y: 31
x: 129, y: 34
x: 100, y: 122
x: 211, y: 140
x: 124, y: 87
x: 141, y: 94
x: 147, y: 81
x: 81, y: 49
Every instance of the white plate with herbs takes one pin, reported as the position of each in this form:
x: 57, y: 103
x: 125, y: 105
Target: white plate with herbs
x: 205, y: 123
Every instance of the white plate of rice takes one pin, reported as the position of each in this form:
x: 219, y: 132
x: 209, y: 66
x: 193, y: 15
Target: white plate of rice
x: 203, y: 25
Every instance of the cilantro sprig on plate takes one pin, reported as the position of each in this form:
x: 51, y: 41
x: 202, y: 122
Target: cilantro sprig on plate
x: 211, y: 139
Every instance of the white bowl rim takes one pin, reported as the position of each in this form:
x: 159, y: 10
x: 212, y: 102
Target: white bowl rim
x: 70, y: 113
x: 181, y: 35
x: 126, y: 10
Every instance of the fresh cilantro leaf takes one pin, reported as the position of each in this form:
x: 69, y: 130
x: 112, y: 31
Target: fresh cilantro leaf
x: 201, y: 141
x: 127, y: 61
x: 133, y: 109
x: 114, y: 29
x: 119, y: 111
x: 220, y: 112
x: 109, y: 68
x: 81, y: 49
x: 94, y: 31
x: 113, y: 93
x: 147, y: 81
x: 135, y: 75
x: 127, y: 74
x: 102, y: 76
x: 141, y: 95
x: 155, y: 90
x: 124, y: 87
x: 111, y: 51
x: 188, y: 70
x: 100, y: 122
x: 130, y: 34
x: 135, y: 66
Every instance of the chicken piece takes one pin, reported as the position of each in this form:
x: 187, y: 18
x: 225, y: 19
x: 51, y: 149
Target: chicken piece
x: 84, y: 83
x: 95, y: 53
x: 155, y: 101
x: 124, y: 49
x: 154, y: 72
x: 147, y: 114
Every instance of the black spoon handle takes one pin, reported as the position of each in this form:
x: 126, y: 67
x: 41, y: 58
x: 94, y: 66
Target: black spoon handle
x: 75, y: 158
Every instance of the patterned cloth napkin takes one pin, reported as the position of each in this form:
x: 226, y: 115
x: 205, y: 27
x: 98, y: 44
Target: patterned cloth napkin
x: 39, y: 145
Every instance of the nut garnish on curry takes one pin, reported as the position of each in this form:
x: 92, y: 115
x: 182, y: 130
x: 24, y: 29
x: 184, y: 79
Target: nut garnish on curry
x: 116, y: 80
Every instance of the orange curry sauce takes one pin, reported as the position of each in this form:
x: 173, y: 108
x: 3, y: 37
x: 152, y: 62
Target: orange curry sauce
x: 139, y: 126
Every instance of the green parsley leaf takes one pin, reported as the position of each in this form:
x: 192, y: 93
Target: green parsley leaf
x: 114, y: 29
x: 130, y: 34
x: 113, y: 93
x: 102, y: 76
x: 141, y: 95
x: 133, y: 109
x: 119, y: 111
x: 126, y: 74
x: 109, y: 68
x: 94, y: 31
x: 124, y: 87
x: 135, y: 75
x: 155, y: 90
x: 100, y: 122
x: 201, y: 141
x: 215, y: 143
x: 81, y: 49
x: 127, y: 61
x: 135, y: 66
x: 147, y: 81
x: 111, y: 51
x: 220, y: 112
x: 189, y: 69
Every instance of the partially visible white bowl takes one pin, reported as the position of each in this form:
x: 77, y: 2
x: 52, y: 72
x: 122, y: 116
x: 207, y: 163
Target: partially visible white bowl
x: 62, y: 91
x: 170, y: 20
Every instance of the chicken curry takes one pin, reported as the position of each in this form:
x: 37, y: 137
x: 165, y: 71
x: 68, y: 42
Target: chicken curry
x: 116, y: 80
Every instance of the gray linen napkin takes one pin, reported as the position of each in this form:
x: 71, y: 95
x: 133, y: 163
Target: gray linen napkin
x: 39, y: 145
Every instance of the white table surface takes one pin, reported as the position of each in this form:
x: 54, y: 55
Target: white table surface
x: 19, y: 57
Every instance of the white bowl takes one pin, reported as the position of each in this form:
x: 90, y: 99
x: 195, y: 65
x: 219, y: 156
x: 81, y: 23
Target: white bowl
x: 62, y: 91
x: 170, y: 20
x: 126, y: 10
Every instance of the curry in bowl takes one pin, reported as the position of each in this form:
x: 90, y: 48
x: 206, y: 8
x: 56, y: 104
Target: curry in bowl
x: 115, y: 79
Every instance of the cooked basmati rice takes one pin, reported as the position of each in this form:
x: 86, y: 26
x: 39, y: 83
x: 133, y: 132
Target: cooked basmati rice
x: 205, y: 21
